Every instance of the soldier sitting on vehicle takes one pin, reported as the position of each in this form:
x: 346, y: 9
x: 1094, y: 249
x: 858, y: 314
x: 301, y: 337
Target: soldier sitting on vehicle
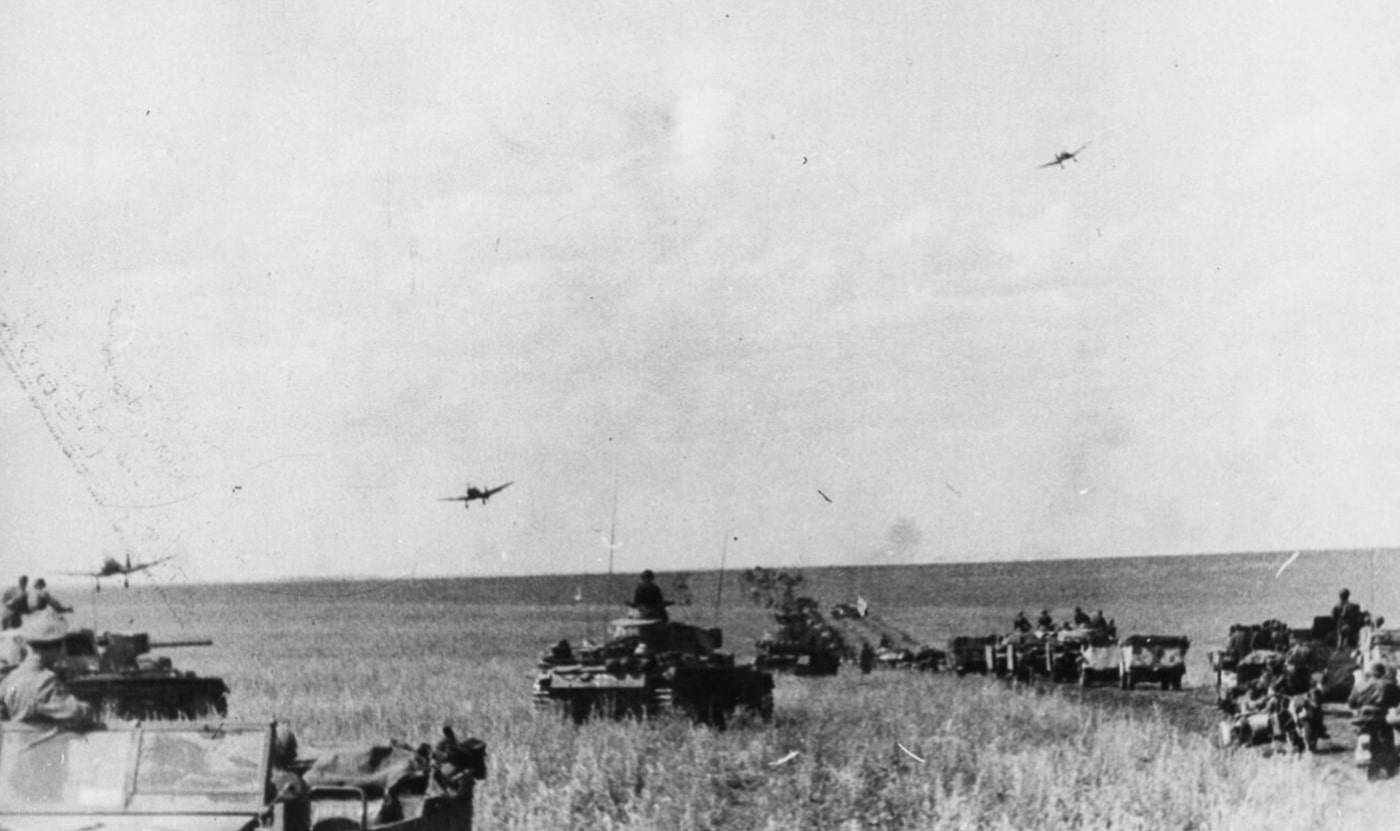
x: 31, y: 692
x: 1081, y: 617
x: 1021, y: 623
x: 43, y: 600
x: 647, y: 600
x: 1045, y: 622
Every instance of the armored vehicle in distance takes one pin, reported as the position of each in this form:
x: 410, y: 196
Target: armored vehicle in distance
x: 649, y: 667
x: 117, y: 674
x: 970, y: 653
x: 1157, y: 659
x: 805, y: 643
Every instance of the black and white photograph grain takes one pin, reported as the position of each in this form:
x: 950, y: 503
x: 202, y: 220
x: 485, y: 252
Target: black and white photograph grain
x: 529, y: 415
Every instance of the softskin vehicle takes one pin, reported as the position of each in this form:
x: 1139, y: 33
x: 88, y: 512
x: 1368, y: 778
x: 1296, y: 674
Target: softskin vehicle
x: 190, y: 776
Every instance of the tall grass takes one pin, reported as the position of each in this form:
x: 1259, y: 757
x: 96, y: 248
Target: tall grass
x: 890, y: 750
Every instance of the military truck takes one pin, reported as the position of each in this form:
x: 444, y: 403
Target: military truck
x: 117, y: 674
x: 969, y: 653
x: 216, y: 777
x: 649, y: 667
x: 1100, y: 661
x: 1159, y: 659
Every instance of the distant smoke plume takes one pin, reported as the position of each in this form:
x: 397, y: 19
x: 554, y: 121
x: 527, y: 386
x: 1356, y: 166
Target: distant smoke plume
x: 902, y: 541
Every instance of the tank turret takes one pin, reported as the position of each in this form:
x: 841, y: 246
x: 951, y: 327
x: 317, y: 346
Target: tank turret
x: 805, y: 643
x: 116, y: 672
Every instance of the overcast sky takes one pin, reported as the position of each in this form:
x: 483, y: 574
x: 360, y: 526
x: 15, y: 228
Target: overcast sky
x: 278, y: 276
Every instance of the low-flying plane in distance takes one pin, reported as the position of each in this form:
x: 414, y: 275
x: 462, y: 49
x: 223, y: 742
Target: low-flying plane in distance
x: 111, y: 567
x: 474, y: 492
x: 1066, y: 156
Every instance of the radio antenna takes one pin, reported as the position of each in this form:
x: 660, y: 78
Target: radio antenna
x: 719, y: 586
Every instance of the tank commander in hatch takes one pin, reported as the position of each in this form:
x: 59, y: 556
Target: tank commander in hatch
x: 31, y: 692
x: 1021, y: 623
x: 647, y: 599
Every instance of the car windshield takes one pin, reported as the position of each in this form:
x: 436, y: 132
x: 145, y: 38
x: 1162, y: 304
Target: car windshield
x: 184, y: 768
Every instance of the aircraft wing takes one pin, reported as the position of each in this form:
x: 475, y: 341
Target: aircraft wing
x: 82, y: 574
x: 497, y: 489
x: 143, y: 566
x: 453, y: 498
x: 1048, y: 164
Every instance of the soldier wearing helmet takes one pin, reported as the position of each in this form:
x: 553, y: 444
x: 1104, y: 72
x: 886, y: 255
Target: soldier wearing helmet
x: 31, y: 692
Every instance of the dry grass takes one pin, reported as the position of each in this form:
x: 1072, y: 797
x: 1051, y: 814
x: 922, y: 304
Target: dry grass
x: 360, y: 669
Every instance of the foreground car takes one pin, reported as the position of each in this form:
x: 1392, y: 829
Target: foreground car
x: 188, y: 776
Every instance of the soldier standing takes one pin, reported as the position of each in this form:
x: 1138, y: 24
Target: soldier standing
x: 16, y: 604
x: 1347, y: 617
x: 31, y: 692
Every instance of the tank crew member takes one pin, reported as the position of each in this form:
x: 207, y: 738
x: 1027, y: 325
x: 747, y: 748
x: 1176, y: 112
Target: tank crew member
x: 647, y: 598
x: 31, y: 692
x: 1238, y: 645
x: 1347, y: 617
x: 1373, y: 699
x: 16, y: 604
x: 43, y: 600
x: 1081, y: 618
x: 1021, y: 623
x: 1045, y: 622
x: 1098, y: 621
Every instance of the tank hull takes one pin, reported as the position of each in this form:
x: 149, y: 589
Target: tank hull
x: 140, y: 697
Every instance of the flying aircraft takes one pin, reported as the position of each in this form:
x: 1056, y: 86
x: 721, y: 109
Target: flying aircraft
x: 111, y: 567
x: 1065, y: 156
x: 474, y: 492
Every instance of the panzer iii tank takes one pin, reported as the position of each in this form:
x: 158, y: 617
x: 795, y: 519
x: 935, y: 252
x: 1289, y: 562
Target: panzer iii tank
x: 116, y: 673
x: 805, y: 643
x: 648, y: 667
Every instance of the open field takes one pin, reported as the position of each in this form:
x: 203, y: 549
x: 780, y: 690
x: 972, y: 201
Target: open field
x: 364, y: 661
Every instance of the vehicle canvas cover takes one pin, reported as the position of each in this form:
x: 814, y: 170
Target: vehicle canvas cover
x: 184, y: 776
